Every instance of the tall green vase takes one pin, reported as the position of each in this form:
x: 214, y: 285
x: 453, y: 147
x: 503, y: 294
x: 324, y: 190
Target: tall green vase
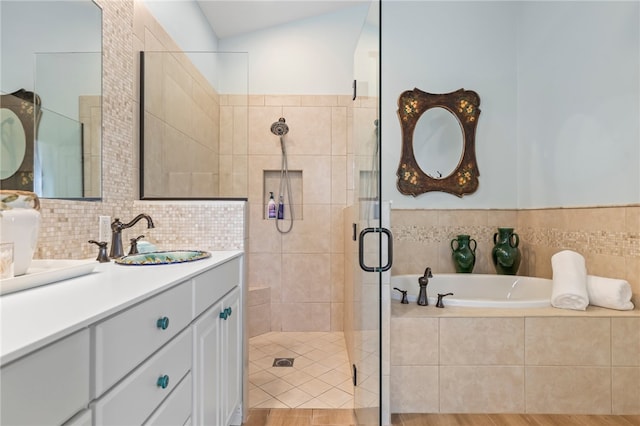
x: 506, y: 254
x: 463, y: 253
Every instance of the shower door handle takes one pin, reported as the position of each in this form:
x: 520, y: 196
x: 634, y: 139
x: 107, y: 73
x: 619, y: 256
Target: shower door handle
x: 389, y: 250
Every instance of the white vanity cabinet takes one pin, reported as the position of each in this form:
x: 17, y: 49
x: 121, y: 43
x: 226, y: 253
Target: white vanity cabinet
x: 157, y: 345
x: 48, y: 386
x: 217, y: 363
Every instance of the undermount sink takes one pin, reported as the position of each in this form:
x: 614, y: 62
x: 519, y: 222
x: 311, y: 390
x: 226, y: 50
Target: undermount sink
x: 163, y: 257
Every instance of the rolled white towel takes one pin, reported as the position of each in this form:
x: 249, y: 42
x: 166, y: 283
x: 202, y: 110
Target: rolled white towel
x: 569, y: 289
x: 609, y: 293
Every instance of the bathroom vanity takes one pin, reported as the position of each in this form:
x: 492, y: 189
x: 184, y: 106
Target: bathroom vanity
x: 149, y: 345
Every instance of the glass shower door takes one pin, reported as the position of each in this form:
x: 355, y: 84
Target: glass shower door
x: 369, y: 236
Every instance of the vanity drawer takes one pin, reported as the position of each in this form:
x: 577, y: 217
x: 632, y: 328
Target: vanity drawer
x: 48, y: 386
x: 212, y: 285
x: 125, y: 340
x: 136, y: 397
x: 176, y: 409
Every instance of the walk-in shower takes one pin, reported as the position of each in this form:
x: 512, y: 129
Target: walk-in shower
x: 280, y: 128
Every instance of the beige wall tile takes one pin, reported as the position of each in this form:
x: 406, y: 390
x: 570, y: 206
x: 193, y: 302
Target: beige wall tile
x: 316, y: 177
x: 605, y: 265
x: 415, y: 218
x: 414, y: 389
x: 568, y: 341
x: 339, y: 129
x: 306, y: 278
x: 338, y: 233
x: 258, y: 296
x: 263, y: 235
x: 337, y: 316
x: 339, y: 179
x: 311, y: 235
x: 260, y: 139
x: 306, y: 316
x: 502, y: 219
x: 632, y: 274
x: 318, y: 100
x: 414, y: 341
x: 495, y: 389
x: 577, y: 390
x: 337, y: 277
x: 309, y: 130
x: 625, y: 384
x: 282, y: 100
x: 466, y: 217
x: 259, y: 319
x: 264, y: 270
x: 410, y: 257
x: 625, y: 342
x: 482, y: 341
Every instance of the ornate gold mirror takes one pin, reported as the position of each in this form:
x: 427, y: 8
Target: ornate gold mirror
x: 434, y: 136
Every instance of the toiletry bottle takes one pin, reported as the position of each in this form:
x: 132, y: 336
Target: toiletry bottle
x: 281, y: 208
x: 271, y: 207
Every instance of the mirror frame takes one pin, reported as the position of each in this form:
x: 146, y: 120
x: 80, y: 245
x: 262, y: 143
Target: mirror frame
x: 27, y: 106
x: 463, y: 104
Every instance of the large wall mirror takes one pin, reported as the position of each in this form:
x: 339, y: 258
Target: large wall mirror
x: 53, y: 50
x: 438, y: 142
x: 193, y: 139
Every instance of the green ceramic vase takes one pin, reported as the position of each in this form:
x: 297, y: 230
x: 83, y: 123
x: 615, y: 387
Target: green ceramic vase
x: 463, y: 253
x: 506, y: 254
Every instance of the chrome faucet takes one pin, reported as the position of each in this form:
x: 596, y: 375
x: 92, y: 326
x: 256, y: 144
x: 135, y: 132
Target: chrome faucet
x: 116, y: 233
x: 423, y: 281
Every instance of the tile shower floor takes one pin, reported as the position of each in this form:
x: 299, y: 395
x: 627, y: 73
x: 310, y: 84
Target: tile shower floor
x: 319, y: 378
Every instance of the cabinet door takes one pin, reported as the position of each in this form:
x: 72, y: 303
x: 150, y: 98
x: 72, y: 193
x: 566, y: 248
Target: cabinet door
x: 231, y: 357
x: 206, y: 367
x: 48, y: 386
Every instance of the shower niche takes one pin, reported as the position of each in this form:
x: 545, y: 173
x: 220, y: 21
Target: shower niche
x: 271, y: 183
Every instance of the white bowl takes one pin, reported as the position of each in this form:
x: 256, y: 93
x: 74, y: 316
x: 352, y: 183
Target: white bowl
x: 20, y: 226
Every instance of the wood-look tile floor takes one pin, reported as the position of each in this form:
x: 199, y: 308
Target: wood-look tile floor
x: 344, y: 417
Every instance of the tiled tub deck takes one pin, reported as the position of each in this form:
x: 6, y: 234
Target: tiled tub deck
x: 546, y: 360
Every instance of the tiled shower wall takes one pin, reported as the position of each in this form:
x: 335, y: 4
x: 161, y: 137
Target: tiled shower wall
x: 304, y: 269
x: 608, y: 238
x: 67, y: 225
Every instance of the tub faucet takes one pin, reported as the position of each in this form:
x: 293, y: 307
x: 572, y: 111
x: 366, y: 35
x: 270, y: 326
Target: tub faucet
x: 116, y: 233
x: 423, y: 281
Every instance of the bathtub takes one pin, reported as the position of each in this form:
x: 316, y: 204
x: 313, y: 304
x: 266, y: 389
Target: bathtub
x: 478, y: 290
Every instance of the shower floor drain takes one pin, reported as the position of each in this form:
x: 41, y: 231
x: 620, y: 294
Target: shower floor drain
x: 283, y: 362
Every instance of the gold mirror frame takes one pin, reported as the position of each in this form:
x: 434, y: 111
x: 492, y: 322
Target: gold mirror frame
x: 463, y: 104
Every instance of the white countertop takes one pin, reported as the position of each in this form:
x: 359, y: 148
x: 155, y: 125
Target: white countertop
x: 33, y: 318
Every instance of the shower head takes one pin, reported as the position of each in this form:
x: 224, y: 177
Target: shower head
x: 280, y: 128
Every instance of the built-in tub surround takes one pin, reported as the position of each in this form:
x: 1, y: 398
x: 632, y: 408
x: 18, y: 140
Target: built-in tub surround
x: 608, y: 238
x: 542, y: 360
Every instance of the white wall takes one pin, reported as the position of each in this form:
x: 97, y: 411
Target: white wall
x: 440, y: 47
x: 188, y: 27
x: 559, y: 90
x: 312, y: 56
x: 578, y: 104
